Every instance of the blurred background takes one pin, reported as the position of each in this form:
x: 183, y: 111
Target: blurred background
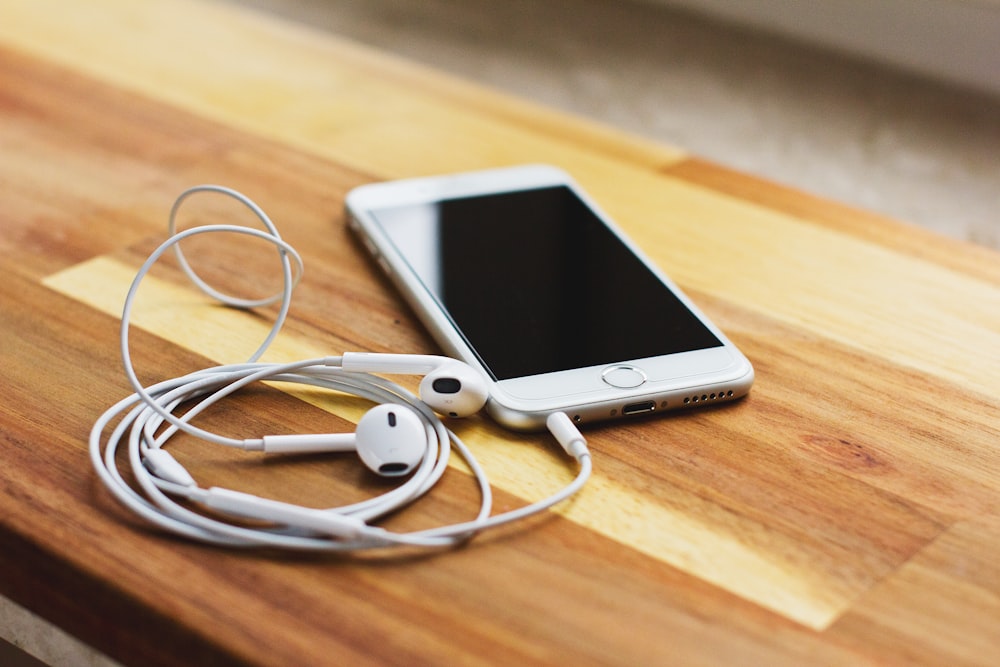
x: 888, y: 105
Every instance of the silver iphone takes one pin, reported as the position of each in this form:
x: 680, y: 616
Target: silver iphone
x: 517, y: 272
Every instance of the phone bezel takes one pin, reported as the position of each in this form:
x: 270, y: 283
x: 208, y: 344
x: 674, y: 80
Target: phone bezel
x: 672, y: 381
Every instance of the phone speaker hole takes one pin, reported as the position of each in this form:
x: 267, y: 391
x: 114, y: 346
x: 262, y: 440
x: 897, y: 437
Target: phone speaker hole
x: 688, y: 400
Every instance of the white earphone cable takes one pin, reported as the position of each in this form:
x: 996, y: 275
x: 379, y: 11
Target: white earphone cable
x: 162, y: 492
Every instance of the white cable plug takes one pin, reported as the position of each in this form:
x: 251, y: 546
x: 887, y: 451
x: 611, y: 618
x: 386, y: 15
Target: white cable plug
x: 567, y: 434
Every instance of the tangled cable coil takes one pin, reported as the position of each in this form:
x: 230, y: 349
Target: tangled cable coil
x: 164, y: 492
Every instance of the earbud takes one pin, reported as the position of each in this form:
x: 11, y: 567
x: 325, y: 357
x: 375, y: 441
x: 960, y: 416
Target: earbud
x: 390, y: 440
x: 450, y: 386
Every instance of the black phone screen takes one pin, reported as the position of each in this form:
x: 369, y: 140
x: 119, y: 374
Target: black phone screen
x: 537, y: 283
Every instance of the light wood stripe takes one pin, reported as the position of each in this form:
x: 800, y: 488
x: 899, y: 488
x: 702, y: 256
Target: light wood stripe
x: 790, y: 279
x: 362, y: 104
x: 688, y: 532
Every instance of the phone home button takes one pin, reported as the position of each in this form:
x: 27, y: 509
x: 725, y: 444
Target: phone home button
x: 623, y: 377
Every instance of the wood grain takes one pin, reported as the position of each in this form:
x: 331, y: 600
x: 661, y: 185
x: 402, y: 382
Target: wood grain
x: 845, y: 513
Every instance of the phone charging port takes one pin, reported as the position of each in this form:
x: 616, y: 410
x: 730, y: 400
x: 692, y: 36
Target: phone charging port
x: 639, y: 408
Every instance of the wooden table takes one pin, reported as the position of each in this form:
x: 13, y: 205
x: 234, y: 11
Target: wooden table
x: 846, y: 512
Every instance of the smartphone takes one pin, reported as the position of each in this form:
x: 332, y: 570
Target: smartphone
x: 518, y: 273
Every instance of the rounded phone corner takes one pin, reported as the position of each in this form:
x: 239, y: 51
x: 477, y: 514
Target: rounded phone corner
x: 515, y: 420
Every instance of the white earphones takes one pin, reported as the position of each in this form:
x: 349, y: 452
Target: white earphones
x: 389, y: 439
x: 401, y: 437
x: 451, y: 387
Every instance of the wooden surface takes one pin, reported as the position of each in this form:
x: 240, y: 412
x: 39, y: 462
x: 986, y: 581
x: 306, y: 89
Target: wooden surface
x: 845, y: 513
